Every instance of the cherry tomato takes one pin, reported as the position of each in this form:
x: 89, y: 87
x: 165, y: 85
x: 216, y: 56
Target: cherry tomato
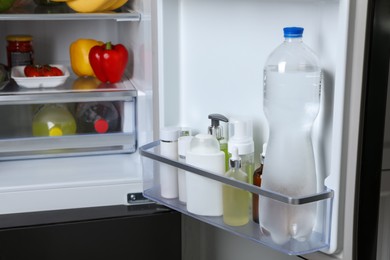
x: 42, y: 71
x: 31, y: 71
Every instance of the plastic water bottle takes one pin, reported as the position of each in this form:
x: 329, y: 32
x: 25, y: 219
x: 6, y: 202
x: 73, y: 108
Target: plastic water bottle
x: 292, y: 87
x: 98, y: 117
x: 53, y: 120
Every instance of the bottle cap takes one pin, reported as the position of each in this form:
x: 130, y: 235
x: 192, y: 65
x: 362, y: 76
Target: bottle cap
x: 241, y: 136
x: 55, y: 131
x: 19, y: 37
x: 101, y: 126
x: 185, y: 131
x: 293, y: 32
x: 169, y: 134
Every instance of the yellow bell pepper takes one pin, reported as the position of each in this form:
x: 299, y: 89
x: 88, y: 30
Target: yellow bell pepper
x: 79, y: 60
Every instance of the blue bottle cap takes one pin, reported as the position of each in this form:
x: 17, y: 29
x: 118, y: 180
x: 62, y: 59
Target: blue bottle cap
x: 293, y: 32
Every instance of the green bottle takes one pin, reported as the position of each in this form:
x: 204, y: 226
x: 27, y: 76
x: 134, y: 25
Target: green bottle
x: 235, y: 200
x: 53, y: 120
x: 217, y: 131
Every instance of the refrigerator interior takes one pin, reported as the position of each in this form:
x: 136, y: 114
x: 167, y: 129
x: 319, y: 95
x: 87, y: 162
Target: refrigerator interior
x: 84, y: 180
x: 210, y: 60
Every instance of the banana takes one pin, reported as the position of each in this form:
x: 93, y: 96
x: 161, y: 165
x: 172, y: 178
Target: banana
x: 92, y: 6
x: 87, y: 6
x: 116, y: 5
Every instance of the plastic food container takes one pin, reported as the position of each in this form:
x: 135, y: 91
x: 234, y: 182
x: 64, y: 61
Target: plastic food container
x: 17, y: 73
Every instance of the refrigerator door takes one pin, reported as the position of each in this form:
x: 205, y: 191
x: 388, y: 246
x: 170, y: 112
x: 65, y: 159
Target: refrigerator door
x: 210, y: 60
x: 373, y: 186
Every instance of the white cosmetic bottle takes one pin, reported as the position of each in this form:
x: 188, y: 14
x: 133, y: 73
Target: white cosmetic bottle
x: 183, y: 146
x: 168, y: 174
x: 204, y: 196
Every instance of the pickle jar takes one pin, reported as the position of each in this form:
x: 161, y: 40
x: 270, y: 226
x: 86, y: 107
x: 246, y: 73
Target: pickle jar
x: 19, y: 50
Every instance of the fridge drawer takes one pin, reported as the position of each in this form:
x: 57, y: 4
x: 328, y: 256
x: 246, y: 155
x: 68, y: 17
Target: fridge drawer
x: 319, y: 238
x: 52, y: 122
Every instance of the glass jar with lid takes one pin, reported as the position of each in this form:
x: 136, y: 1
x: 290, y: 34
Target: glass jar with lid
x: 19, y: 50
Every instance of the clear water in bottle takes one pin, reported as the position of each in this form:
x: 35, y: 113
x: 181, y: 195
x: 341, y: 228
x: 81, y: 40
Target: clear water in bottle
x: 292, y: 87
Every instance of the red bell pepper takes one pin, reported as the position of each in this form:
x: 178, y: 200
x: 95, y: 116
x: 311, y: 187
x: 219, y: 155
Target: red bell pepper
x: 108, y: 61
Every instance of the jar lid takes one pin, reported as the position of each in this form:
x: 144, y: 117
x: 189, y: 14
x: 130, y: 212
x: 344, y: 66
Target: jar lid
x: 19, y: 37
x: 169, y: 134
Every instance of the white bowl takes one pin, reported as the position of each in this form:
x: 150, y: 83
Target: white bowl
x: 17, y: 73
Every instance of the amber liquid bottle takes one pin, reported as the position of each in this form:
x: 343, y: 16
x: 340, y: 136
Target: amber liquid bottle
x: 257, y: 182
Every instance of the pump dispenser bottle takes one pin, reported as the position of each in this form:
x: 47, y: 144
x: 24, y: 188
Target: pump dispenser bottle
x: 216, y: 130
x: 235, y: 200
x: 241, y: 137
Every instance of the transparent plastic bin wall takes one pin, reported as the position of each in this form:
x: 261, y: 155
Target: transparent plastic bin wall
x: 319, y: 238
x: 17, y: 140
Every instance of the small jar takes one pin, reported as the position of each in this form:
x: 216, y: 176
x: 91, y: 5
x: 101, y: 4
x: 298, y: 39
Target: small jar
x: 19, y: 50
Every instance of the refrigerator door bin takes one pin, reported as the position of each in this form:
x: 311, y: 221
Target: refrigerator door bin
x: 19, y: 108
x: 320, y: 235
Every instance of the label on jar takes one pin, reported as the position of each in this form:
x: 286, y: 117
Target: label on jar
x: 21, y: 58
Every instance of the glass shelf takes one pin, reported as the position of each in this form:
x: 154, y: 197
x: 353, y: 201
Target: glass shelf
x: 319, y: 235
x: 31, y: 11
x: 12, y: 94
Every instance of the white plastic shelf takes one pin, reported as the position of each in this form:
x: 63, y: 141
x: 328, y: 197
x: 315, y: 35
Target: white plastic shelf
x: 320, y: 235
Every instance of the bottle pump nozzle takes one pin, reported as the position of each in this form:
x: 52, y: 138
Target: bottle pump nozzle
x: 215, y: 129
x: 235, y: 160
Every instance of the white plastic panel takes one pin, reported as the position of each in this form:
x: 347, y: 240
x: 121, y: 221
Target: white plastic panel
x: 64, y: 183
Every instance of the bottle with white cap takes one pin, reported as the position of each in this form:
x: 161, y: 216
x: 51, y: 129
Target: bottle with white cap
x: 184, y: 141
x: 257, y: 174
x: 235, y: 200
x: 241, y: 137
x: 168, y: 174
